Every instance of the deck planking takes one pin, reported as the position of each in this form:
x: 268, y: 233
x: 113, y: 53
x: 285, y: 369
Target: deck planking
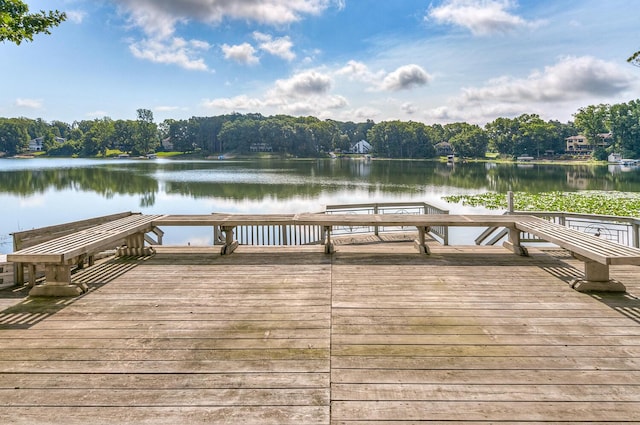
x: 290, y: 335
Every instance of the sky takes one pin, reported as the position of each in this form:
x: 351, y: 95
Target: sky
x: 431, y: 61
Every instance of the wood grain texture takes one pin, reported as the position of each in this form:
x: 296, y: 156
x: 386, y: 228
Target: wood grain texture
x: 375, y: 333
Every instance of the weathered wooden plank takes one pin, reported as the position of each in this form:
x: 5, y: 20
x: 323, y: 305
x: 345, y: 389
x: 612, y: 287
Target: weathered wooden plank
x: 530, y: 340
x: 567, y: 392
x: 496, y: 410
x: 413, y: 374
x: 180, y: 366
x: 172, y: 341
x: 176, y: 397
x: 455, y: 342
x: 166, y: 415
x: 492, y: 363
x: 473, y: 349
x: 165, y: 381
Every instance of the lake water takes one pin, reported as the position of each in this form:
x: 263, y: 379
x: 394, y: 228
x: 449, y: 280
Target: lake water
x: 41, y: 192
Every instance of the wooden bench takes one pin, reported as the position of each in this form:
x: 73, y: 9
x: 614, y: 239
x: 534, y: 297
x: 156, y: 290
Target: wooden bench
x: 423, y: 223
x: 59, y: 255
x: 596, y: 253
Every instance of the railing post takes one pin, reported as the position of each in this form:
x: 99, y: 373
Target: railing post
x: 375, y: 211
x: 510, y: 201
x: 636, y: 234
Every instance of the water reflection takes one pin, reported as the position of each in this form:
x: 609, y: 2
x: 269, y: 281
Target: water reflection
x: 39, y: 192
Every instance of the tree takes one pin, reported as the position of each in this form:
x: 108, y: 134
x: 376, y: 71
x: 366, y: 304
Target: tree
x: 13, y: 136
x: 146, y: 140
x: 17, y: 24
x: 99, y: 137
x: 592, y: 121
x: 468, y: 140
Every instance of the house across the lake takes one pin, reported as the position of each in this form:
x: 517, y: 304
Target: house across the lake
x: 580, y: 145
x: 362, y: 147
x: 36, y: 145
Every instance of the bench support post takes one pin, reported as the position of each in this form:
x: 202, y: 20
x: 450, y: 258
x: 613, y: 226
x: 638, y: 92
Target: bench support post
x: 134, y: 246
x: 421, y: 242
x: 513, y: 243
x: 57, y: 283
x: 230, y: 244
x: 328, y: 245
x: 596, y: 278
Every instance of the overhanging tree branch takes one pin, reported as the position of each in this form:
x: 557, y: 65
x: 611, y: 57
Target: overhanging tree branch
x: 18, y: 25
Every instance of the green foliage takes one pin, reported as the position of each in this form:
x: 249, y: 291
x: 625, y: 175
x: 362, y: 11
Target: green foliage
x: 604, y: 203
x: 591, y: 121
x: 288, y: 136
x: 634, y: 59
x: 18, y: 25
x: 14, y: 137
x: 527, y: 134
x: 398, y: 139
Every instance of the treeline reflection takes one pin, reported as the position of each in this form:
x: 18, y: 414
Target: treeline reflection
x: 284, y: 180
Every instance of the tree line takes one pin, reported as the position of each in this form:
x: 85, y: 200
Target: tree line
x: 527, y: 134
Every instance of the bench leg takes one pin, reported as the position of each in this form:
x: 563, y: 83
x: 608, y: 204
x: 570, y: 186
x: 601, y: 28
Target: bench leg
x: 57, y: 283
x: 32, y: 275
x: 328, y: 245
x: 230, y: 244
x: 513, y: 243
x: 596, y: 278
x: 421, y: 242
x: 135, y: 247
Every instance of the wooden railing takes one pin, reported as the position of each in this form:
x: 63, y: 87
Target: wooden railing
x: 439, y: 232
x: 273, y: 235
x: 623, y: 230
x: 309, y: 235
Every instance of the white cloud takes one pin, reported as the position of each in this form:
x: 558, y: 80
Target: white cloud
x: 570, y: 78
x: 406, y: 77
x: 76, y: 16
x: 303, y: 94
x: 318, y: 106
x: 365, y: 113
x: 176, y: 51
x: 481, y: 17
x: 96, y: 114
x: 159, y: 17
x: 358, y: 71
x: 280, y: 47
x: 238, y: 103
x: 243, y: 53
x: 167, y: 108
x: 29, y: 103
x: 556, y: 91
x: 304, y: 84
x: 409, y: 108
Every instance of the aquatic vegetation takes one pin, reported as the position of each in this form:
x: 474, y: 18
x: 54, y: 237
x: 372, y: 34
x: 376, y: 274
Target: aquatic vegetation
x: 592, y: 202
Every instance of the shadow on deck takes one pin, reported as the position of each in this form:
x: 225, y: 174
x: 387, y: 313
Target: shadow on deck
x: 375, y: 332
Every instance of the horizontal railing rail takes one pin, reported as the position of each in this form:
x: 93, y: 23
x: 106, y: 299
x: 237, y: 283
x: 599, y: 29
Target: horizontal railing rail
x: 439, y: 232
x: 309, y: 234
x: 623, y: 230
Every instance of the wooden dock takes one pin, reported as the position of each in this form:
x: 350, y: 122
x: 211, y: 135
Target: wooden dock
x: 292, y: 336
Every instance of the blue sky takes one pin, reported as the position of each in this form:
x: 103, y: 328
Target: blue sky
x: 433, y: 61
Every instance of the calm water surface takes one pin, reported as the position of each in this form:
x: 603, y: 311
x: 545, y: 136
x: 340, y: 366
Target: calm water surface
x: 41, y: 192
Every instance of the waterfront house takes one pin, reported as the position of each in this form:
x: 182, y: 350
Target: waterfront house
x: 36, y: 145
x: 362, y: 147
x: 580, y: 145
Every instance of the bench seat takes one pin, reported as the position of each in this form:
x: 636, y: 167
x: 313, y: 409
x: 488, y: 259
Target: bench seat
x: 597, y: 253
x: 59, y: 254
x: 422, y: 222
